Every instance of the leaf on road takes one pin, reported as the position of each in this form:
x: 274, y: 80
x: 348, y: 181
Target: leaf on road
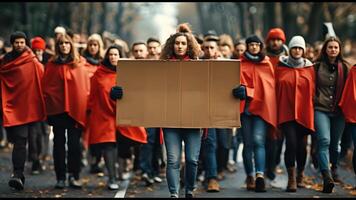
x: 353, y: 193
x: 57, y: 196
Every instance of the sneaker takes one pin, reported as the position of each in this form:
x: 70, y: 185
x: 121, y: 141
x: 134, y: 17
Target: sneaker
x: 61, y: 184
x: 157, y: 179
x: 174, y: 195
x: 147, y: 179
x: 75, y: 183
x: 16, y: 182
x: 213, y: 186
x: 221, y: 176
x: 113, y: 185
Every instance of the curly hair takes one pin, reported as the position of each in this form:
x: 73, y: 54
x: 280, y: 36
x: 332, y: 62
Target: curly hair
x: 193, y: 46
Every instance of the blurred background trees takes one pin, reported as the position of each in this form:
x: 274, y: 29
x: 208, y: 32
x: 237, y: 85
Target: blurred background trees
x: 238, y: 19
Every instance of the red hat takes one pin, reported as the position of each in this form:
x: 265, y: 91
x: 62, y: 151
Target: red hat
x: 276, y: 33
x: 38, y: 43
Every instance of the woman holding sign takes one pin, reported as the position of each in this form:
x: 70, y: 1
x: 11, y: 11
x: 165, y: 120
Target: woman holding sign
x: 179, y: 46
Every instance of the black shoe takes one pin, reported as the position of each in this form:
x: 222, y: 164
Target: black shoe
x: 189, y: 195
x: 94, y: 169
x: 61, y: 184
x: 36, y: 167
x: 75, y: 183
x: 17, y: 182
x: 260, y: 185
x: 328, y: 182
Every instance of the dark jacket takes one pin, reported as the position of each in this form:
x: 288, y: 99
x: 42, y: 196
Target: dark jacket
x: 327, y: 87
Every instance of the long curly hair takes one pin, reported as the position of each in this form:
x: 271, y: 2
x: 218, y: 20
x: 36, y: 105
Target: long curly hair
x: 193, y: 49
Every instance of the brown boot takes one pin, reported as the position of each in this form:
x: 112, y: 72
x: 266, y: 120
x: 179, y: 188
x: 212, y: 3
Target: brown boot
x: 213, y: 186
x: 250, y: 183
x: 328, y: 182
x: 292, y: 183
x: 300, y: 179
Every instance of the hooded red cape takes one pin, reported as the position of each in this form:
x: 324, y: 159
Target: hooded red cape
x: 295, y: 92
x: 66, y: 89
x: 348, y: 99
x: 102, y: 127
x: 259, y: 80
x: 21, y: 93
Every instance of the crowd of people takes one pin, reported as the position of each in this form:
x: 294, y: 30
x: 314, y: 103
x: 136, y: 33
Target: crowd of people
x: 66, y: 87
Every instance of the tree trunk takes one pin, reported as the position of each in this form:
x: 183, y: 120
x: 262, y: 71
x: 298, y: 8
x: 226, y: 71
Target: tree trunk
x: 315, y: 22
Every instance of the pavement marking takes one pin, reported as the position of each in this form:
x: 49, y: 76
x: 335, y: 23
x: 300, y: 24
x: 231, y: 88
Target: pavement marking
x: 123, y: 187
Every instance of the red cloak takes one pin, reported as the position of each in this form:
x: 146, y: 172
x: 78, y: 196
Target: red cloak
x: 90, y: 69
x: 66, y: 89
x: 259, y: 80
x: 295, y: 92
x: 21, y: 92
x: 102, y: 127
x: 348, y: 99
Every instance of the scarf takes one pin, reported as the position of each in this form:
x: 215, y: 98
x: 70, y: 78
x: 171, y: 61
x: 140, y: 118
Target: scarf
x: 254, y: 58
x: 92, y: 60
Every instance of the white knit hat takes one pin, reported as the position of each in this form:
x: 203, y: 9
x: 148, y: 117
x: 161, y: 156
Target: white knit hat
x: 60, y: 29
x: 297, y: 41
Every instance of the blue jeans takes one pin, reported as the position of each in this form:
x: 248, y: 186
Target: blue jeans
x: 173, y: 138
x: 148, y: 157
x: 254, y: 138
x: 329, y: 129
x: 209, y: 145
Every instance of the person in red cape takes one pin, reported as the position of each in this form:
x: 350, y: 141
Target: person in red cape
x: 180, y: 46
x: 295, y: 89
x: 275, y: 47
x: 347, y: 105
x: 258, y: 109
x: 102, y: 129
x: 331, y: 71
x: 93, y: 55
x: 22, y: 103
x: 66, y: 88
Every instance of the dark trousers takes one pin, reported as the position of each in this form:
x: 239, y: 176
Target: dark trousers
x: 35, y: 142
x: 296, y: 144
x: 63, y: 124
x: 109, y: 151
x: 273, y: 155
x: 18, y: 135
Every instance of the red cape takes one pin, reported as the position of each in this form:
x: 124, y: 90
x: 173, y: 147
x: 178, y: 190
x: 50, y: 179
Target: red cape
x: 259, y: 80
x: 66, y: 89
x: 348, y: 99
x: 21, y: 93
x: 295, y: 88
x: 90, y: 69
x: 102, y: 117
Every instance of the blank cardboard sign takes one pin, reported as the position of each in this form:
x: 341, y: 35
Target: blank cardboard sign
x: 178, y: 94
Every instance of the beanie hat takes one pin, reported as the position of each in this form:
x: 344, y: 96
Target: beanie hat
x: 254, y: 38
x: 276, y: 33
x: 38, y: 43
x: 59, y: 29
x: 297, y: 41
x: 17, y: 35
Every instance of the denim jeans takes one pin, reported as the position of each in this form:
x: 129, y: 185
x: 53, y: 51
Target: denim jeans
x: 254, y: 137
x: 352, y: 129
x: 209, y: 145
x: 329, y: 129
x: 148, y: 157
x: 173, y: 138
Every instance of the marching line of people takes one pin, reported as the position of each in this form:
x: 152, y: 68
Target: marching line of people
x: 287, y: 94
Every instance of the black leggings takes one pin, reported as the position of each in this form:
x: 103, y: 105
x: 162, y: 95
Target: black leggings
x: 109, y: 151
x: 296, y: 144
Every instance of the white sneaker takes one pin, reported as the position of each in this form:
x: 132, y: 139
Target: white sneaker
x: 112, y: 185
x: 157, y: 179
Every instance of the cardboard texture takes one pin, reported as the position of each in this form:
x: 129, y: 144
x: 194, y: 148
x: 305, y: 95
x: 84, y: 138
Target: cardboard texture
x: 178, y: 94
